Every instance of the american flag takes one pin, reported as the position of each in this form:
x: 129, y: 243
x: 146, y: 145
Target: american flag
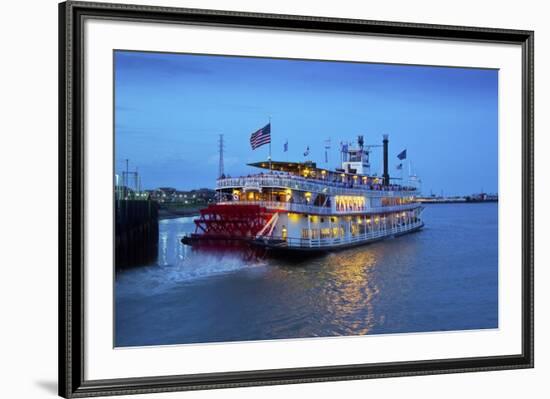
x: 261, y: 137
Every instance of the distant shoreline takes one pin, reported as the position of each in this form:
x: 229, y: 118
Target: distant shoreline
x: 166, y: 214
x: 457, y: 202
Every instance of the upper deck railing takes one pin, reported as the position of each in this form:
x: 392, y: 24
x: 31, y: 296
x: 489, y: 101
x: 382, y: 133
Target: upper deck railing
x: 293, y: 182
x: 320, y: 210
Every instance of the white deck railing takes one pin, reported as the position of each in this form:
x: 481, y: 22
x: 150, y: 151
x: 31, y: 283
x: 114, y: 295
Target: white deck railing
x: 348, y: 239
x: 320, y: 210
x: 312, y: 185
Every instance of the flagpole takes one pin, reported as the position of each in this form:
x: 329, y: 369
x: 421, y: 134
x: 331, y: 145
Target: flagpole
x: 409, y: 179
x: 270, y: 144
x: 286, y: 150
x: 271, y: 192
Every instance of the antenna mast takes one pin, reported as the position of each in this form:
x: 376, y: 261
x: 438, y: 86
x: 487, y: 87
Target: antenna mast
x: 327, y: 147
x: 220, y: 166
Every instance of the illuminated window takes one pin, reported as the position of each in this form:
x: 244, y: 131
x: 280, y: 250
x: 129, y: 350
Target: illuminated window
x: 349, y: 203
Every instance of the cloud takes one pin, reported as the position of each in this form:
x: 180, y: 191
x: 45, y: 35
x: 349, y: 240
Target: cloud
x: 125, y: 108
x: 227, y: 161
x: 162, y: 64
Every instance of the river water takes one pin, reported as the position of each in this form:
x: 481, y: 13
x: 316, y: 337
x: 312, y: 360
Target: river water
x: 442, y: 278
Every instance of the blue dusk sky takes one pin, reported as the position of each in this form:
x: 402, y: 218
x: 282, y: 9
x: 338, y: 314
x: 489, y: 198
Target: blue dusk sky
x: 171, y: 108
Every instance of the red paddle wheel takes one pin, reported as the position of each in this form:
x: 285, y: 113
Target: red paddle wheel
x: 231, y: 221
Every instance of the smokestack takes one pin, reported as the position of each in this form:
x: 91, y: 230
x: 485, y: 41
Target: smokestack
x: 386, y: 176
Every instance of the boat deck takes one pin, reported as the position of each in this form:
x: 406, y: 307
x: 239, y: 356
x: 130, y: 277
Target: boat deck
x: 331, y: 244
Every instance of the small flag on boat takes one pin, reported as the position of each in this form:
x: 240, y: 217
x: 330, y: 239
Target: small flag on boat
x: 261, y: 137
x: 400, y: 166
x: 306, y: 153
x: 402, y: 155
x: 285, y: 146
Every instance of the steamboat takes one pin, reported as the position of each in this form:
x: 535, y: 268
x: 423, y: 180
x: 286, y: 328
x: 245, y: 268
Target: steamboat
x: 298, y: 207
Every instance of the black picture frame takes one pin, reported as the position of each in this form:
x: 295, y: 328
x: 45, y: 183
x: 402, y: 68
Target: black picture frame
x: 71, y: 200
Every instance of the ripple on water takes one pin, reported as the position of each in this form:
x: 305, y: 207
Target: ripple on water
x: 155, y: 279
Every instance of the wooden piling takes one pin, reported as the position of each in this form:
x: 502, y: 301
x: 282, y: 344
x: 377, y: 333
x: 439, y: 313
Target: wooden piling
x: 136, y: 232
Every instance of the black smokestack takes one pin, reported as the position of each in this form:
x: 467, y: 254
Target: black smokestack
x: 386, y: 176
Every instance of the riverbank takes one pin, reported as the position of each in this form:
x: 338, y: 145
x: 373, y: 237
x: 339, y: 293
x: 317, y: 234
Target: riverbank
x: 453, y: 201
x: 457, y: 200
x: 178, y: 213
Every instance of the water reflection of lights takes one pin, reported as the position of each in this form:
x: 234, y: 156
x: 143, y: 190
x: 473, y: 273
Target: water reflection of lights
x: 163, y: 248
x: 351, y: 290
x: 335, y: 294
x: 170, y: 248
x: 341, y: 289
